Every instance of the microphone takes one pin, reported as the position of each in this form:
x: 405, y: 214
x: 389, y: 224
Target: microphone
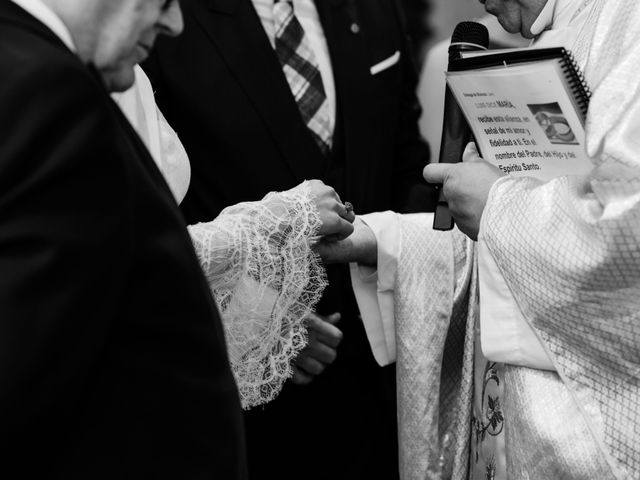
x: 455, y: 130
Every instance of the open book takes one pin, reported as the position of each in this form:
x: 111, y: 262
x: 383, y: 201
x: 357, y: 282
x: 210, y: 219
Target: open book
x: 526, y: 109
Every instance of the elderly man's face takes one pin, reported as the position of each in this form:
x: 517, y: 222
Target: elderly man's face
x: 127, y: 31
x: 515, y: 16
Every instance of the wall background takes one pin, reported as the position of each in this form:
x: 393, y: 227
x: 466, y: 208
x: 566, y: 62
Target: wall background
x: 445, y: 15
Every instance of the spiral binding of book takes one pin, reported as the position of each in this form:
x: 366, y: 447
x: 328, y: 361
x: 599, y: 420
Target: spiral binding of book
x: 521, y: 56
x: 576, y: 81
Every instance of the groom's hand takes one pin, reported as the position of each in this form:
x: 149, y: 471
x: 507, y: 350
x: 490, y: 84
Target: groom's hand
x: 321, y: 351
x: 360, y: 247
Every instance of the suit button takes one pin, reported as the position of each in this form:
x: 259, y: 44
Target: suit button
x: 355, y: 28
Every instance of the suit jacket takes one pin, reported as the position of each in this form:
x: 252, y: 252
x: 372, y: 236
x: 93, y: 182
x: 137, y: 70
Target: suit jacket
x: 112, y: 356
x: 222, y: 89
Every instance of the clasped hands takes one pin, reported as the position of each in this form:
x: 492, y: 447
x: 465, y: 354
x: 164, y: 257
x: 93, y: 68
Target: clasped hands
x: 346, y: 238
x: 466, y: 188
x: 341, y: 234
x: 323, y: 334
x: 343, y: 237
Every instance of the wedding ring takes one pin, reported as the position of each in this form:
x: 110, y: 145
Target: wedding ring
x: 348, y: 206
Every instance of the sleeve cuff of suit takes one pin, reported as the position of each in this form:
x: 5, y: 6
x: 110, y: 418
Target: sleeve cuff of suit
x: 373, y: 288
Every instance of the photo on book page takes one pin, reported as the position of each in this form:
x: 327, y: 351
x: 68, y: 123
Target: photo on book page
x: 554, y: 123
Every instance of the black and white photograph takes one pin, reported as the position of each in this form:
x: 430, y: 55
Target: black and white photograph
x: 259, y: 240
x: 554, y: 123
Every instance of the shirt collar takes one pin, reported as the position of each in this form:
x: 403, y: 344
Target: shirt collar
x: 555, y: 14
x: 49, y: 18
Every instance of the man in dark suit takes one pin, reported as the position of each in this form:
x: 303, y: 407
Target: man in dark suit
x: 112, y: 356
x: 227, y: 90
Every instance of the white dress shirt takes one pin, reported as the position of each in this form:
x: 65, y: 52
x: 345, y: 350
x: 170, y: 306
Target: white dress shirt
x: 307, y: 15
x: 139, y: 106
x: 44, y: 14
x: 373, y: 288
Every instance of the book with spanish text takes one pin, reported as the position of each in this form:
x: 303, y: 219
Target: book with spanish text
x: 526, y: 109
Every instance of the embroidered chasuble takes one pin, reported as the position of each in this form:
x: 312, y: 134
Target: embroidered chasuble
x: 569, y: 251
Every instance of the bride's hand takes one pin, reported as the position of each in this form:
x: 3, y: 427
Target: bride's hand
x: 336, y: 219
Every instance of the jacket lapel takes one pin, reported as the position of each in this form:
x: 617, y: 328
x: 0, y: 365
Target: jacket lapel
x: 235, y: 29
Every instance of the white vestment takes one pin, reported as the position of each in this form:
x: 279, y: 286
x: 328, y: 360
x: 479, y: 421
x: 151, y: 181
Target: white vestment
x: 569, y: 251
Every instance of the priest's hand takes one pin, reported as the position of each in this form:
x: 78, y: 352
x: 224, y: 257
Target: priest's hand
x: 466, y: 187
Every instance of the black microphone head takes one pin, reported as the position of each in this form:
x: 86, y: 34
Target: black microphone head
x: 471, y: 33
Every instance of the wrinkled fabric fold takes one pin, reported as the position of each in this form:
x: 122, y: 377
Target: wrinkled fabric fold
x: 434, y: 334
x: 569, y: 249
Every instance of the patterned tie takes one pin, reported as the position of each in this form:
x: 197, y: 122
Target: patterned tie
x: 301, y: 69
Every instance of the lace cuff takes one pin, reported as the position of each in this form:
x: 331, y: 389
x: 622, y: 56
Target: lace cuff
x: 266, y: 279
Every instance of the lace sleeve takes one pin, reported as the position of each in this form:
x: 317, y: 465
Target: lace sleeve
x: 266, y: 279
